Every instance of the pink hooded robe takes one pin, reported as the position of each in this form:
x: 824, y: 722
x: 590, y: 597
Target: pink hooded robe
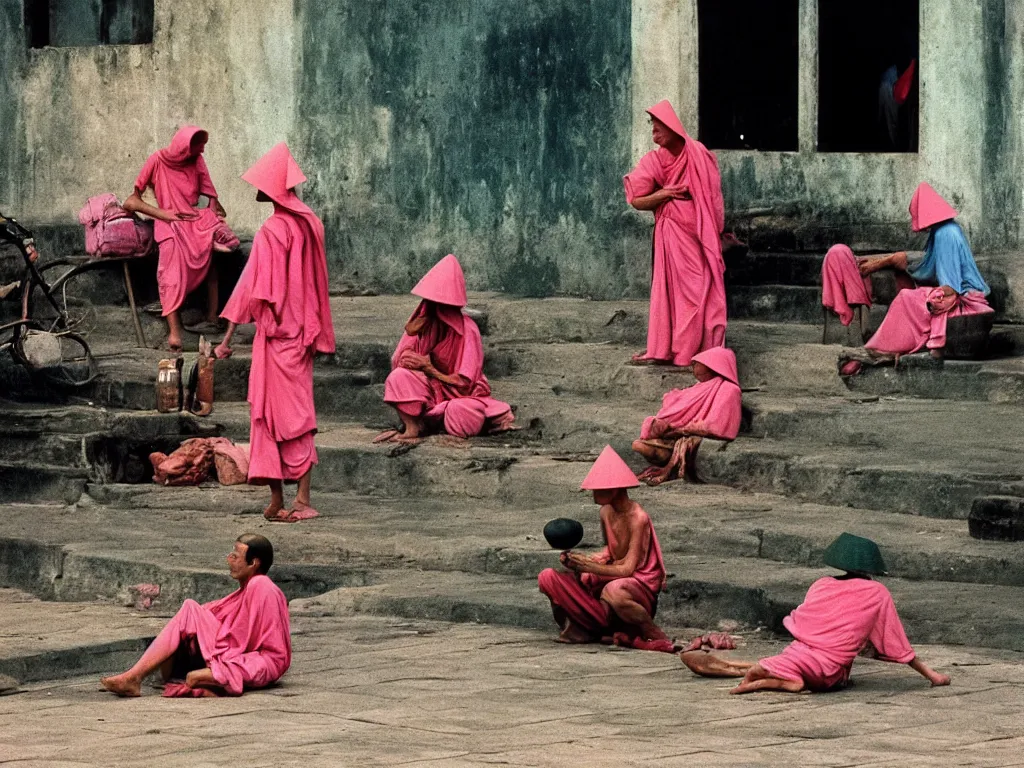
x: 178, y: 178
x: 283, y: 289
x: 718, y: 402
x: 455, y: 347
x: 688, y: 312
x: 579, y: 595
x: 842, y: 286
x: 832, y: 625
x: 244, y: 638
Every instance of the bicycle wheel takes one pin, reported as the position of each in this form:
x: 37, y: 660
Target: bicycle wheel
x: 63, y: 360
x: 56, y: 310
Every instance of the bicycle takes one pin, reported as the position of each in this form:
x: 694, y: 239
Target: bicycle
x: 43, y: 340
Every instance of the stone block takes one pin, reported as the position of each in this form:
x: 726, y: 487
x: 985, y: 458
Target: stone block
x: 997, y: 518
x: 967, y: 336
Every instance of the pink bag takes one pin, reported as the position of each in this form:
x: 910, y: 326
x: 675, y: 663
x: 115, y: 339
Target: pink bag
x: 111, y: 231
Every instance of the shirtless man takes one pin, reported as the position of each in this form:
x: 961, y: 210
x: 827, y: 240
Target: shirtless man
x: 613, y: 594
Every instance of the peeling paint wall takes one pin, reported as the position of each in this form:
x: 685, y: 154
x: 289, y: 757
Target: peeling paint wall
x: 495, y: 130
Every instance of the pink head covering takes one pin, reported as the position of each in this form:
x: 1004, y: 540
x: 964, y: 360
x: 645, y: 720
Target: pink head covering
x: 179, y: 151
x: 663, y: 111
x: 609, y: 472
x: 720, y: 360
x: 276, y: 174
x: 901, y: 89
x: 443, y: 284
x: 927, y: 208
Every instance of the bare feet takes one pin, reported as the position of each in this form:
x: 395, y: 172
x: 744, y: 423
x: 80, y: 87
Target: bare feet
x: 273, y: 510
x: 122, y: 685
x: 573, y: 635
x: 939, y: 679
x: 301, y: 511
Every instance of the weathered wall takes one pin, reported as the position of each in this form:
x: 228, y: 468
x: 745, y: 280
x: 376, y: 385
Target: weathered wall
x: 12, y: 59
x: 89, y: 116
x: 495, y: 130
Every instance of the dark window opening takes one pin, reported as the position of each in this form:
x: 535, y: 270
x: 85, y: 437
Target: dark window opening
x: 749, y: 69
x: 867, y: 77
x: 88, y: 22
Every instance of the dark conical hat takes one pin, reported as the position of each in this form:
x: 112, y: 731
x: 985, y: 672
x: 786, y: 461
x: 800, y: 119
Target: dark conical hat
x: 855, y: 554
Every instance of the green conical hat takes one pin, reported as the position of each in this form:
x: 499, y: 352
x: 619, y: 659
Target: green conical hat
x: 856, y: 554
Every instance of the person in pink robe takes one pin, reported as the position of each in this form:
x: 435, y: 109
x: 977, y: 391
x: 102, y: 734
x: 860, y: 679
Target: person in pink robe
x: 437, y: 377
x: 237, y: 643
x: 840, y: 618
x: 186, y: 235
x: 614, y: 593
x: 713, y: 407
x: 283, y: 290
x: 843, y: 287
x: 680, y: 182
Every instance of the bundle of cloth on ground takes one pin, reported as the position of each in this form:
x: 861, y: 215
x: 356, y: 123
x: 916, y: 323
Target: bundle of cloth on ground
x: 192, y: 462
x: 437, y: 379
x: 917, y: 317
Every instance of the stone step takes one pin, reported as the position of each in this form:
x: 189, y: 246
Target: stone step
x: 774, y: 268
x: 774, y: 303
x: 919, y: 375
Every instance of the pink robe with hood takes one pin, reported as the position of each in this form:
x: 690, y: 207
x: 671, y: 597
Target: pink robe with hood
x: 688, y: 312
x: 718, y: 402
x: 455, y: 347
x: 283, y: 289
x: 837, y: 619
x: 178, y: 178
x: 244, y: 638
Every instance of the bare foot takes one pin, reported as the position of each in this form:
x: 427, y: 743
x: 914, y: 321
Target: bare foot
x: 386, y: 436
x: 938, y: 679
x: 273, y: 510
x: 573, y: 635
x: 301, y: 510
x: 122, y: 685
x: 174, y: 343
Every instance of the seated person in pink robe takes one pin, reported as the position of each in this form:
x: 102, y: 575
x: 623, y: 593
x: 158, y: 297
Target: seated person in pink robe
x: 437, y: 380
x: 615, y: 592
x: 240, y: 642
x: 186, y: 235
x: 680, y: 182
x: 917, y: 317
x: 283, y: 290
x: 841, y: 617
x: 713, y: 407
x: 843, y: 287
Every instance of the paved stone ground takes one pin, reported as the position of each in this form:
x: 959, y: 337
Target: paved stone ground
x: 378, y: 691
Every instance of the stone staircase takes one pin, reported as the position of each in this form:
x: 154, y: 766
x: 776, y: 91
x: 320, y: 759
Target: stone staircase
x: 451, y: 530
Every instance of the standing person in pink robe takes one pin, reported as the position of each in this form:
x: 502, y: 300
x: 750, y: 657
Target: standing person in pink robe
x: 680, y: 182
x: 187, y: 236
x: 437, y: 379
x: 841, y: 617
x: 283, y: 289
x: 713, y: 407
x: 240, y: 642
x: 615, y: 592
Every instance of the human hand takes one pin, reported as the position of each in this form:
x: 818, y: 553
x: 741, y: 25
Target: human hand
x: 171, y: 216
x: 575, y: 562
x: 218, y: 209
x: 222, y: 351
x: 697, y: 427
x: 413, y: 361
x: 677, y: 193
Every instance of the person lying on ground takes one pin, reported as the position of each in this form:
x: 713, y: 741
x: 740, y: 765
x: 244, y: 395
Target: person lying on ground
x: 237, y: 643
x: 614, y: 593
x: 841, y: 617
x: 283, y: 290
x: 712, y: 407
x: 186, y: 235
x: 437, y: 380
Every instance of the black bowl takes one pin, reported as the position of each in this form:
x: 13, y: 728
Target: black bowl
x: 563, y: 533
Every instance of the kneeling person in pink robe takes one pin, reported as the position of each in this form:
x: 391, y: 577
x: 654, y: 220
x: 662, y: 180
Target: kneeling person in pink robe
x: 283, y: 290
x: 437, y: 380
x: 615, y: 592
x: 713, y: 407
x: 840, y: 618
x: 186, y: 235
x: 237, y: 643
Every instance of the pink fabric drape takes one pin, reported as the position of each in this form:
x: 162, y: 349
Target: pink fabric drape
x: 283, y: 289
x: 836, y: 620
x: 579, y: 595
x: 244, y: 638
x: 718, y: 403
x: 910, y: 325
x: 455, y: 347
x: 178, y: 178
x: 687, y: 312
x: 842, y: 286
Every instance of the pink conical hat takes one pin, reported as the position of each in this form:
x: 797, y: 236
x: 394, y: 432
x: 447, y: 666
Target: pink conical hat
x: 663, y: 111
x: 720, y: 360
x: 609, y: 473
x: 444, y: 283
x: 927, y: 207
x: 276, y: 173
